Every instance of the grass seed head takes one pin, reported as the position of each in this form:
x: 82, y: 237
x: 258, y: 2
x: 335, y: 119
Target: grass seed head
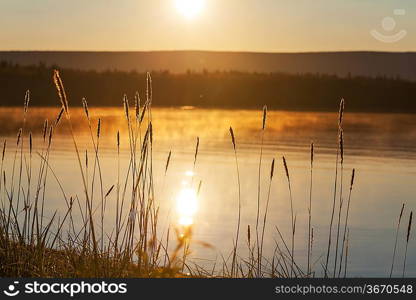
x: 312, y: 153
x: 352, y: 177
x: 30, y: 142
x: 149, y: 92
x: 99, y: 128
x: 26, y: 103
x: 143, y: 112
x: 126, y: 107
x: 137, y: 105
x: 401, y: 211
x: 50, y: 136
x: 196, y: 149
x: 168, y: 161
x: 232, y: 136
x: 109, y: 191
x: 264, y: 116
x: 86, y: 158
x: 248, y: 234
x: 19, y: 134
x: 272, y: 170
x: 341, y: 112
x: 286, y: 168
x: 85, y: 106
x: 58, y: 118
x: 4, y: 149
x: 61, y: 91
x: 199, y: 187
x: 409, y: 228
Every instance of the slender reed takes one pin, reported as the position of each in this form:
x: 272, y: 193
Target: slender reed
x: 395, y: 242
x: 25, y: 109
x: 259, y: 184
x: 196, y: 151
x: 11, y: 209
x: 347, y: 246
x: 310, y: 211
x: 292, y: 214
x: 64, y: 101
x: 346, y: 220
x: 195, y: 157
x: 2, y: 163
x: 409, y: 228
x: 118, y: 213
x: 265, y: 211
x: 168, y: 161
x: 250, y: 252
x: 311, y: 250
x: 233, y: 264
x: 341, y: 200
x: 340, y: 117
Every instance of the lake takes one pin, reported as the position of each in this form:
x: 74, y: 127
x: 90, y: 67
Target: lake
x: 381, y: 148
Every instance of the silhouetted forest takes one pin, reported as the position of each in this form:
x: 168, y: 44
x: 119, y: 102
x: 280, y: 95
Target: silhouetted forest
x: 210, y: 89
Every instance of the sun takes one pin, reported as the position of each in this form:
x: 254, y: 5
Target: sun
x: 189, y: 8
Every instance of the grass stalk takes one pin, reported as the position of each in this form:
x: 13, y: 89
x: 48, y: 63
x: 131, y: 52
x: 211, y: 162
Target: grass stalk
x: 409, y: 228
x: 310, y: 211
x: 340, y: 117
x: 265, y: 212
x: 341, y: 200
x: 292, y: 215
x: 346, y: 219
x: 259, y: 185
x: 395, y: 242
x: 234, y: 262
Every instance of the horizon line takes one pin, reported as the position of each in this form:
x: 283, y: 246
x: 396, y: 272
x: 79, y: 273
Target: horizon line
x: 213, y: 51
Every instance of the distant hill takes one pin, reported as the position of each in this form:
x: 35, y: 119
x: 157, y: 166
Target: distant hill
x: 343, y: 64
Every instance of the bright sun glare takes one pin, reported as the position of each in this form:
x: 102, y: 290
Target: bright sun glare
x: 186, y: 206
x: 189, y: 8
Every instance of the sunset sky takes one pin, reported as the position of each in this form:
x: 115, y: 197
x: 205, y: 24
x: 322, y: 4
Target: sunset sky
x: 223, y: 25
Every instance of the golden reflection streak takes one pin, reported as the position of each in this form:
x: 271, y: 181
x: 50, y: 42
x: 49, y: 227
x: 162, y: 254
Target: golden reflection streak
x: 186, y: 205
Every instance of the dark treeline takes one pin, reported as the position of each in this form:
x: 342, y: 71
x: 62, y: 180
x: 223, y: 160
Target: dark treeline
x: 210, y: 89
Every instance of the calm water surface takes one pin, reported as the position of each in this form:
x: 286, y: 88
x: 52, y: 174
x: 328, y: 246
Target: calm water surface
x: 381, y: 147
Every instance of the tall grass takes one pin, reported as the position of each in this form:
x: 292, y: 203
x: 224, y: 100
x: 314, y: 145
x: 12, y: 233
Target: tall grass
x: 74, y: 242
x: 233, y: 263
x: 263, y: 127
x: 340, y: 118
x: 341, y: 200
x: 310, y: 214
x: 346, y: 221
x: 395, y: 242
x: 409, y: 228
x: 293, y: 218
x: 265, y: 212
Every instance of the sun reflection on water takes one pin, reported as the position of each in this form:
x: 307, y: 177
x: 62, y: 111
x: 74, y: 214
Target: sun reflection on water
x: 186, y: 204
x: 189, y: 173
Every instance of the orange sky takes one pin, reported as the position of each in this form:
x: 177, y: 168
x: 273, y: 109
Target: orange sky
x: 231, y: 25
